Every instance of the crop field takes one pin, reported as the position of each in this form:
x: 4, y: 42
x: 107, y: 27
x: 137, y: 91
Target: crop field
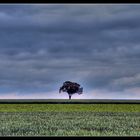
x: 69, y: 119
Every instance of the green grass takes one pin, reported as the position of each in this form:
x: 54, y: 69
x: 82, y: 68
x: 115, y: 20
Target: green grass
x: 69, y: 107
x: 69, y: 124
x: 69, y: 120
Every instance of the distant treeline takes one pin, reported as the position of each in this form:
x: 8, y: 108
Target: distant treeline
x: 66, y: 101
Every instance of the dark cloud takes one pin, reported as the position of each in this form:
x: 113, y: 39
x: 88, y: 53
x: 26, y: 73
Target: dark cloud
x: 44, y: 45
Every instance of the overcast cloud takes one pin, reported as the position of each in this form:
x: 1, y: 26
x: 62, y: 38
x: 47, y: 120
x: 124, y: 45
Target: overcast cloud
x: 96, y: 45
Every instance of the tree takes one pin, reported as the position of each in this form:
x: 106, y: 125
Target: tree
x: 71, y: 88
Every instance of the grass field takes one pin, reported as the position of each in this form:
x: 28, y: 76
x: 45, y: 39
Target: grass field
x: 69, y: 107
x: 69, y: 119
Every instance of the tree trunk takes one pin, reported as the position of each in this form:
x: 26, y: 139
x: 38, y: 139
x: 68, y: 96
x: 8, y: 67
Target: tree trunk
x: 69, y: 97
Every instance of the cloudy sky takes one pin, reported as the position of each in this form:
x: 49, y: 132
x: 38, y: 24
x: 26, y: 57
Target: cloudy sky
x: 43, y: 45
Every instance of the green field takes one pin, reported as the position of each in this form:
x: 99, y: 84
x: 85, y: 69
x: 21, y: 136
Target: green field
x: 69, y: 119
x: 69, y: 107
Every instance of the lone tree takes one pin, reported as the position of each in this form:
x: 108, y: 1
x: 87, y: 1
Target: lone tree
x: 71, y: 88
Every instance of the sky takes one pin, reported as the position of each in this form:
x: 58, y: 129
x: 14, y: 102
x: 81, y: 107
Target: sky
x: 95, y: 45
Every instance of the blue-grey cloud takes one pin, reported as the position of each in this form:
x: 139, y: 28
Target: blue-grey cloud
x: 43, y: 45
